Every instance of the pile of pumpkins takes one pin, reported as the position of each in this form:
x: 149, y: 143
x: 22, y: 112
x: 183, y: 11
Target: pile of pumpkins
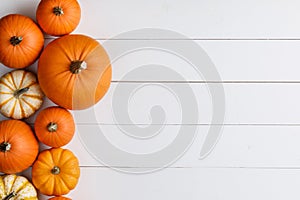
x: 73, y: 71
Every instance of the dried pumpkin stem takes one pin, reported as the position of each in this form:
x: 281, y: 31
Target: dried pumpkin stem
x: 55, y: 170
x: 11, y: 195
x: 77, y: 66
x: 5, y: 146
x: 15, y: 40
x: 52, y: 127
x: 58, y: 11
x: 19, y: 92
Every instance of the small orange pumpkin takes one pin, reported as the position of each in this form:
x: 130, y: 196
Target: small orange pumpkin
x: 59, y: 198
x: 74, y: 71
x: 58, y: 17
x: 18, y: 146
x: 20, y: 94
x: 54, y: 126
x: 55, y: 172
x: 21, y: 41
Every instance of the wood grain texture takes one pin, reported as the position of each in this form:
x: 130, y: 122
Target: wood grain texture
x: 247, y: 146
x: 191, y: 184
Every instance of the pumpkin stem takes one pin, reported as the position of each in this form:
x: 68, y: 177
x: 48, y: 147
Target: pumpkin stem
x: 5, y: 146
x: 77, y: 66
x: 52, y: 127
x: 11, y: 195
x: 55, y: 170
x: 15, y: 40
x: 58, y: 11
x: 19, y: 92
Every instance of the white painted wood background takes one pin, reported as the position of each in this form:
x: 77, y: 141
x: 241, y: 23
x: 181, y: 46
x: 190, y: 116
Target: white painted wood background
x: 255, y: 45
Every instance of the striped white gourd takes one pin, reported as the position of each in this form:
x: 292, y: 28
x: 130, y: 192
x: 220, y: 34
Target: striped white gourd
x: 13, y: 187
x: 20, y: 94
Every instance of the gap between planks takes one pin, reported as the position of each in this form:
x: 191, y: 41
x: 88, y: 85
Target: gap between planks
x: 200, y: 124
x: 213, y: 82
x: 196, y: 167
x: 197, y: 39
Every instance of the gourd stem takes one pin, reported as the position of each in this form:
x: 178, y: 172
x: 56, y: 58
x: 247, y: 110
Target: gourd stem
x: 19, y: 92
x: 77, y: 66
x: 52, y: 127
x: 58, y: 11
x: 15, y: 40
x: 5, y: 146
x: 55, y: 170
x: 11, y: 195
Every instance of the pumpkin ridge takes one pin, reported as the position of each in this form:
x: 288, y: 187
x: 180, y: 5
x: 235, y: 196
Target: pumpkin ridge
x: 33, y: 96
x: 5, y: 84
x: 21, y: 187
x: 44, y: 165
x: 5, y: 102
x: 69, y: 172
x: 68, y: 177
x: 31, y: 106
x: 62, y: 48
x: 23, y: 114
x: 66, y: 182
x: 45, y: 184
x: 12, y: 80
x: 25, y: 185
x: 5, y: 93
x: 13, y: 108
x: 67, y: 161
x: 23, y: 77
x: 31, y: 84
x: 59, y: 158
x: 62, y: 183
x: 12, y: 182
x: 68, y: 5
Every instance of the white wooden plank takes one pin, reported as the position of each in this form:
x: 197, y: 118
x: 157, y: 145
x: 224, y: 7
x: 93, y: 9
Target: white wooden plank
x: 245, y: 104
x: 192, y: 184
x: 262, y: 61
x: 27, y: 8
x: 234, y: 60
x: 239, y: 146
x: 195, y: 19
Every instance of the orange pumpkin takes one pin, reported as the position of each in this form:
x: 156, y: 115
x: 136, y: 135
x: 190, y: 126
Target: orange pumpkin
x: 55, y: 172
x: 74, y: 71
x: 21, y: 41
x: 58, y: 17
x: 20, y: 94
x: 18, y: 146
x: 54, y: 126
x: 59, y: 198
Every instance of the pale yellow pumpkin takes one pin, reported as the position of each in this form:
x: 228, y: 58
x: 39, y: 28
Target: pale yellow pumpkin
x: 20, y: 94
x: 13, y: 187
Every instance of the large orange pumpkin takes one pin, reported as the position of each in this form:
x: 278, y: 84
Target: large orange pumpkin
x: 55, y: 172
x: 18, y: 146
x: 21, y: 41
x: 58, y: 17
x: 74, y: 71
x: 54, y: 126
x: 20, y: 94
x: 59, y: 198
